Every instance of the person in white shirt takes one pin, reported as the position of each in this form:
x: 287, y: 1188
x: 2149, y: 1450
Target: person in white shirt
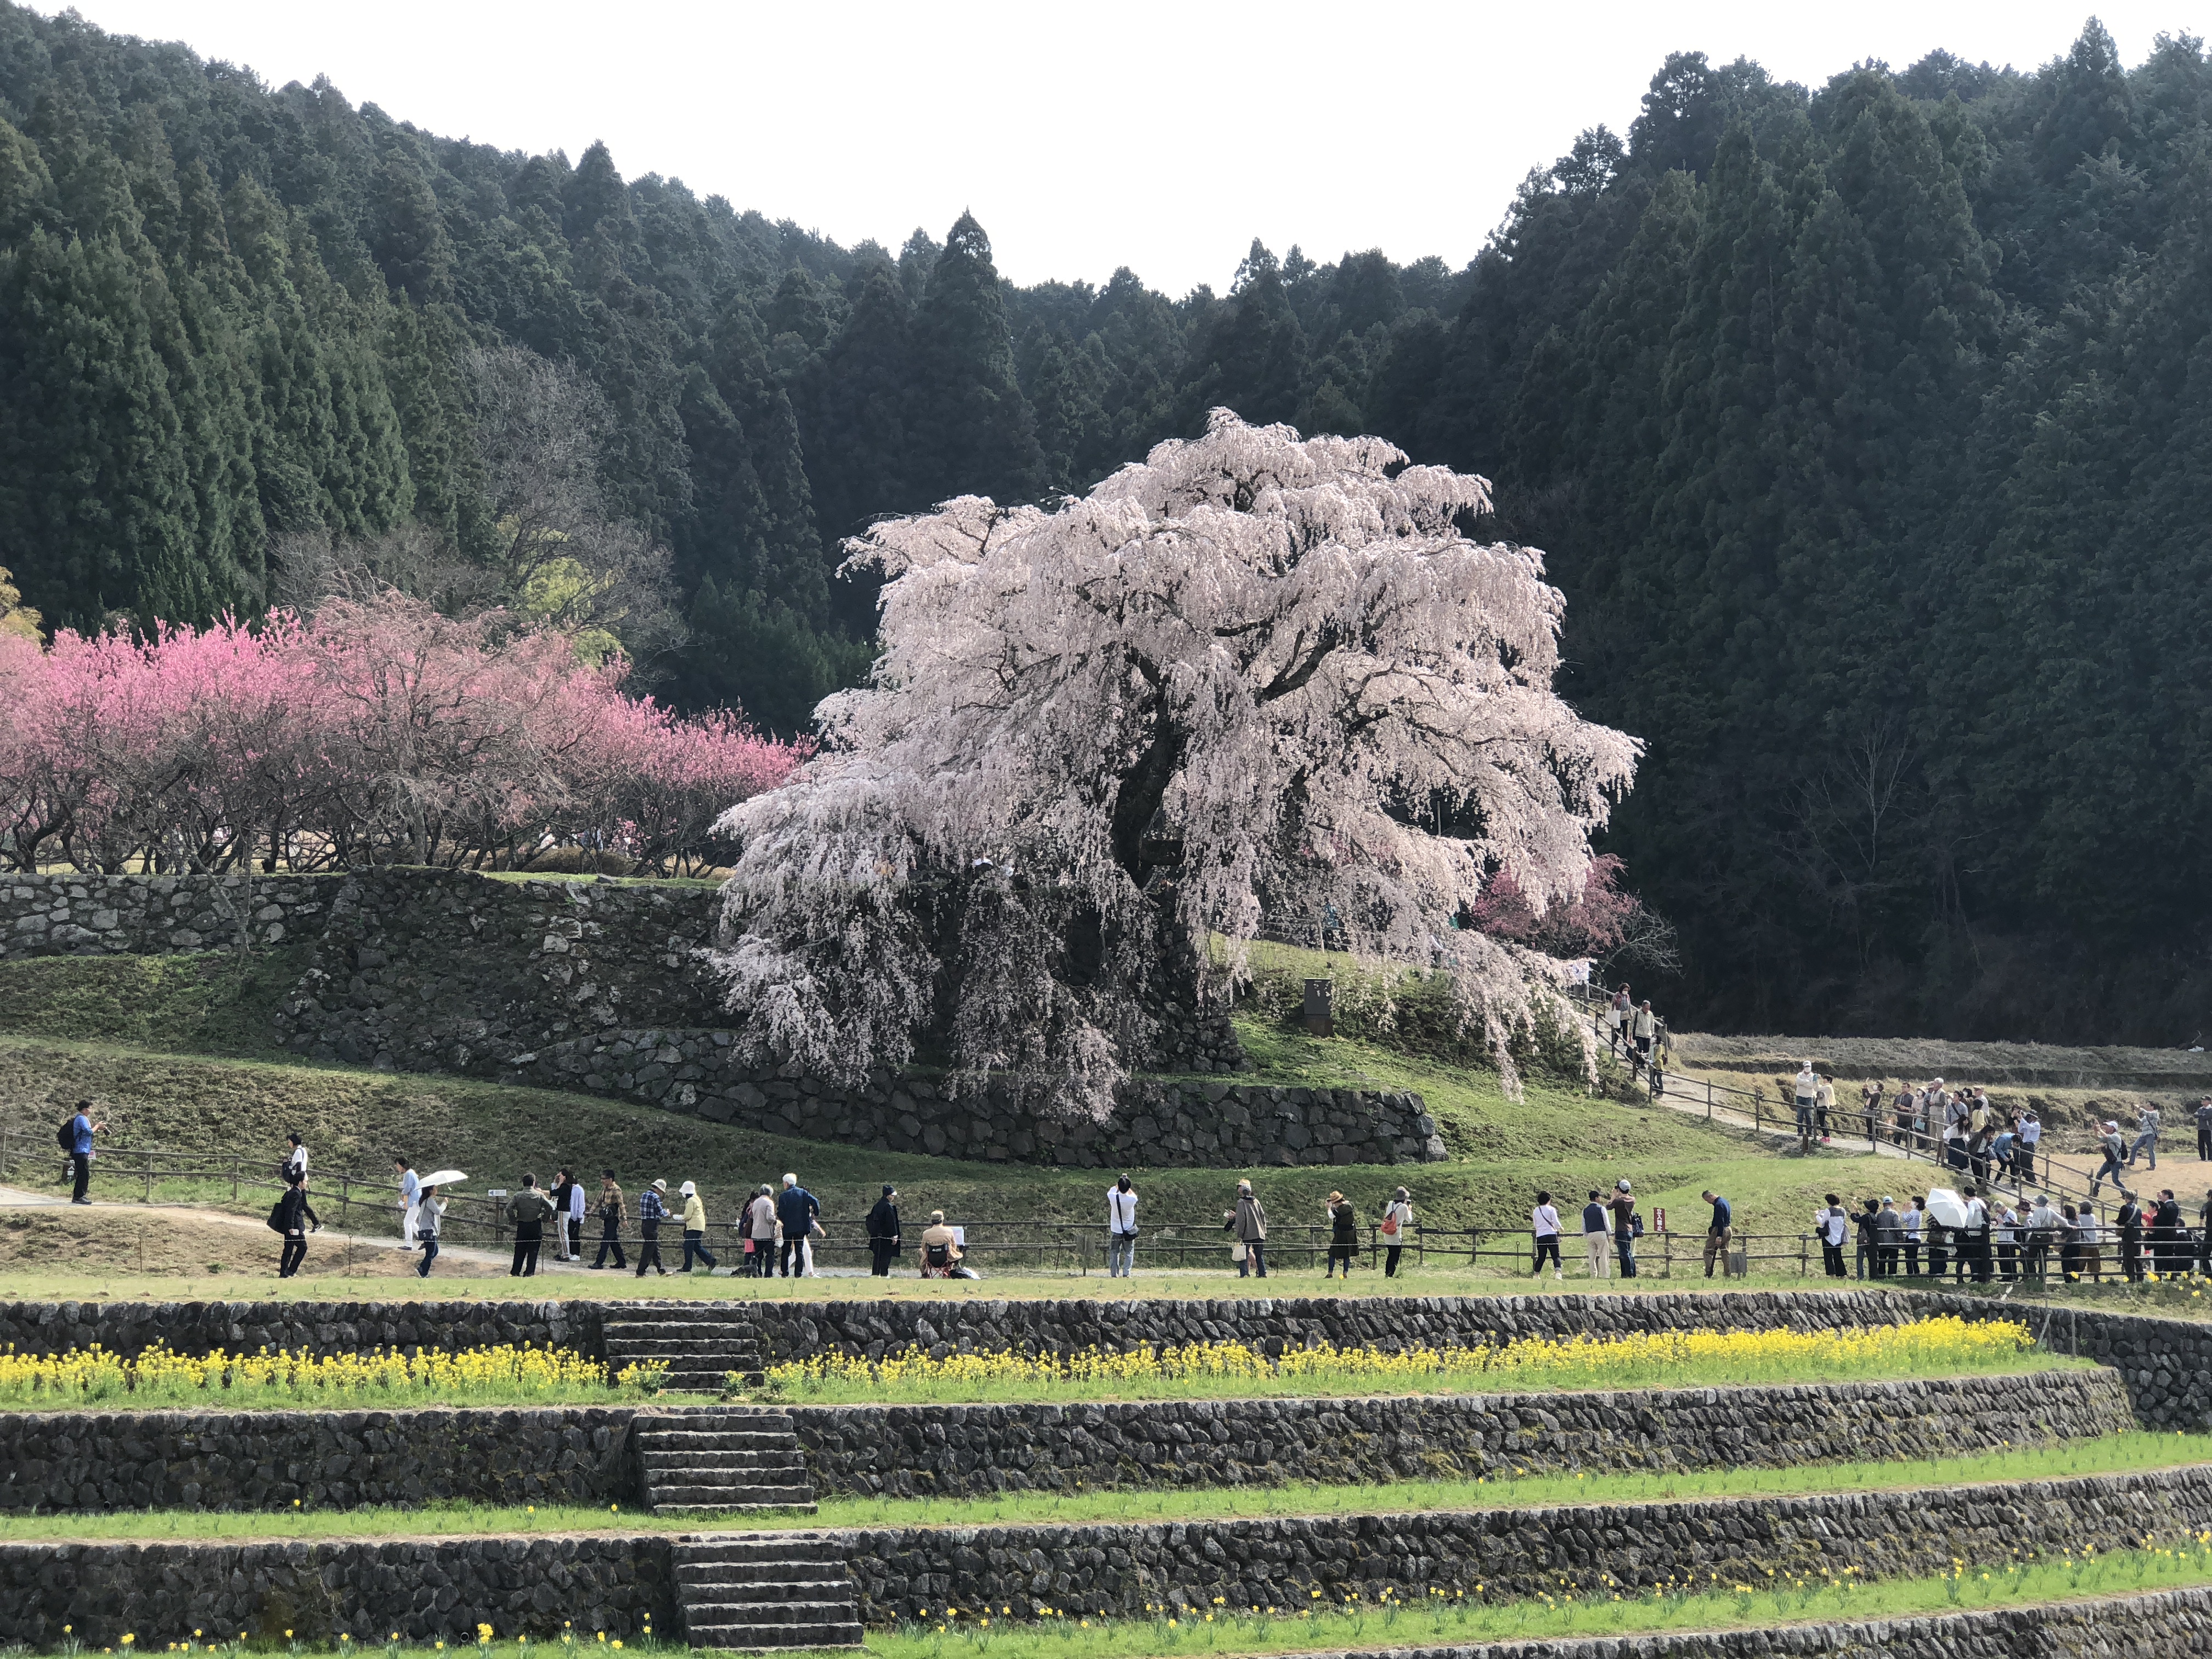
x: 421, y: 1224
x: 1833, y: 1224
x: 296, y: 1160
x: 2031, y: 1136
x: 1121, y: 1229
x: 1544, y: 1222
x: 576, y: 1220
x: 2088, y: 1243
x: 1806, y: 1090
x: 410, y: 1187
x: 1397, y: 1223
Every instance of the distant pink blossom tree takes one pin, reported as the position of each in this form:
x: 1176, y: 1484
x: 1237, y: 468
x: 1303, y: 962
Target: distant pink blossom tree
x: 380, y: 731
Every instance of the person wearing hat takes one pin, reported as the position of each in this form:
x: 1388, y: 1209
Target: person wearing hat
x: 1343, y: 1236
x: 1397, y: 1222
x: 884, y: 1232
x: 695, y: 1229
x: 1623, y: 1206
x: 612, y: 1214
x: 2108, y: 1142
x: 652, y: 1211
x: 1889, y: 1236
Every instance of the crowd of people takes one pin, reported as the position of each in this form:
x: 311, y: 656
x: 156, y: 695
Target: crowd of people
x: 1980, y: 1235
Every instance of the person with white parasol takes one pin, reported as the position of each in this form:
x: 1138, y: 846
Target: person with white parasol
x: 425, y: 1214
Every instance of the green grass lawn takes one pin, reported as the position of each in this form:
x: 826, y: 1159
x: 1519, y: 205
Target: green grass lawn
x: 2113, y: 1454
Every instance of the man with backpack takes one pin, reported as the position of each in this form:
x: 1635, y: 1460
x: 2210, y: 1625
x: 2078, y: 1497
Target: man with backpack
x: 292, y: 1218
x: 74, y: 1138
x: 529, y: 1209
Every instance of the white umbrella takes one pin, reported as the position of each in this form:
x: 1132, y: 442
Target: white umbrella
x: 444, y: 1178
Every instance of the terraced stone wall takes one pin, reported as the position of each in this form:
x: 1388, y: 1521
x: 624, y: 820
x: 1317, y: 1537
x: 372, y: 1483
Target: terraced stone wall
x: 74, y: 915
x: 199, y: 1328
x: 2166, y: 1363
x: 101, y: 1462
x: 971, y: 1450
x: 799, y: 1330
x: 423, y: 1588
x: 598, y: 986
x: 1279, y: 1561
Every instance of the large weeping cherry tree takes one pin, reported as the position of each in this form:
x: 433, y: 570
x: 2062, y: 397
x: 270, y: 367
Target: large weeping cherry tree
x: 1250, y: 676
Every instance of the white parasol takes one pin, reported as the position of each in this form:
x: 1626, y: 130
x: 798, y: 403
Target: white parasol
x: 444, y: 1178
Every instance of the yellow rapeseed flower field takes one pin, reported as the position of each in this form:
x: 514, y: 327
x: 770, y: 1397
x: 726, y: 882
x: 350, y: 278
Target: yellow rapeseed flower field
x: 506, y: 1372
x: 1678, y: 1358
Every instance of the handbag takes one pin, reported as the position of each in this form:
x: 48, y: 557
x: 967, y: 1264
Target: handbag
x: 1238, y: 1252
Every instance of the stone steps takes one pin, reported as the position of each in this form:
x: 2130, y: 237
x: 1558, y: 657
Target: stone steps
x: 700, y: 1347
x: 722, y: 1463
x: 766, y: 1590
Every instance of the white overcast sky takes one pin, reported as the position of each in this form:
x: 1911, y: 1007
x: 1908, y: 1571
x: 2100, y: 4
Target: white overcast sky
x: 1159, y: 136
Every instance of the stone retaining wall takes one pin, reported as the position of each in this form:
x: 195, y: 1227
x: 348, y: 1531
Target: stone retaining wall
x: 197, y: 1328
x: 426, y: 1588
x: 800, y: 1330
x: 99, y: 1462
x: 970, y: 1451
x: 598, y: 986
x: 70, y: 915
x: 1279, y: 1561
x: 2166, y: 1363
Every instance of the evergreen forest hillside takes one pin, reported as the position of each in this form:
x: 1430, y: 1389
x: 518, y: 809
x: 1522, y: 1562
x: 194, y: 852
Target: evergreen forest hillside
x: 1862, y: 424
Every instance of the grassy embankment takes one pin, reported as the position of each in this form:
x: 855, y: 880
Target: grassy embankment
x: 175, y: 1052
x: 2115, y: 1454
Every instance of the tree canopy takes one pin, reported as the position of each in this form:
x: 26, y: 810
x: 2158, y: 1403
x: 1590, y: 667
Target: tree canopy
x: 1861, y: 424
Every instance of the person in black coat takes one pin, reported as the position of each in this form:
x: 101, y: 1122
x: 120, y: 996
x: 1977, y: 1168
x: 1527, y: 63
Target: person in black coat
x: 2169, y: 1243
x: 295, y: 1215
x: 2129, y: 1224
x: 884, y: 1232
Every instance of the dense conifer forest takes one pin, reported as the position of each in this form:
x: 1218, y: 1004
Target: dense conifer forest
x: 1863, y: 426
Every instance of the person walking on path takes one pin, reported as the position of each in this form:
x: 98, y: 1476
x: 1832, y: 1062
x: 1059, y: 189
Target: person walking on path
x: 82, y: 1129
x: 1249, y: 1222
x: 428, y: 1213
x: 652, y: 1211
x: 411, y: 1190
x: 1617, y: 1014
x: 2147, y: 1121
x: 531, y: 1209
x: 1645, y: 1030
x: 1597, y: 1241
x: 1720, y: 1232
x: 1833, y: 1225
x: 2030, y: 1137
x: 294, y: 1217
x: 884, y: 1232
x: 1121, y: 1229
x: 1544, y: 1222
x: 295, y: 1158
x: 763, y: 1230
x: 575, y: 1217
x: 2204, y: 1130
x: 1623, y: 1208
x: 2108, y: 1142
x: 798, y: 1210
x: 1397, y: 1224
x: 695, y: 1229
x: 612, y: 1213
x: 1343, y: 1236
x: 1806, y: 1090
